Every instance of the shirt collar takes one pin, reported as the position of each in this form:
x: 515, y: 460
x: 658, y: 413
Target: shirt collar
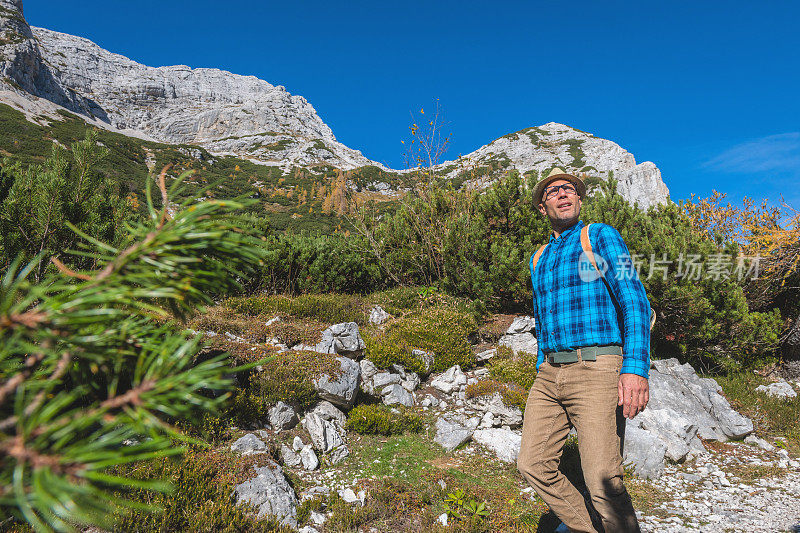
x: 575, y: 227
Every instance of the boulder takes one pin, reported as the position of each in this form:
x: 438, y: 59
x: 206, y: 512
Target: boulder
x: 323, y: 433
x: 249, y: 445
x: 493, y: 403
x: 677, y: 388
x: 368, y: 369
x: 522, y: 324
x: 342, y: 389
x: 673, y: 430
x: 338, y: 454
x: 289, y: 457
x: 644, y: 451
x: 282, y: 416
x: 271, y: 494
x: 308, y: 458
x: 780, y: 389
x: 486, y: 355
x: 297, y: 444
x: 396, y: 394
x: 503, y: 442
x: 327, y: 411
x: 343, y: 339
x: 378, y: 316
x: 452, y: 432
x: 450, y: 380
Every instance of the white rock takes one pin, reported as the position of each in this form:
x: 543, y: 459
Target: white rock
x: 378, y: 315
x: 503, y: 442
x: 780, y: 389
x: 450, y: 380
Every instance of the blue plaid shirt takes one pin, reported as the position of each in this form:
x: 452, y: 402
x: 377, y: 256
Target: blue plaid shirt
x: 572, y: 305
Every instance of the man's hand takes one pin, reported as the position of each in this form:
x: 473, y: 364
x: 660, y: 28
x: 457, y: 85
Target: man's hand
x: 634, y: 393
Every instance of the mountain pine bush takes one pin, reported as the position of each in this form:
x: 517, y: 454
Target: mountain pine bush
x: 92, y: 372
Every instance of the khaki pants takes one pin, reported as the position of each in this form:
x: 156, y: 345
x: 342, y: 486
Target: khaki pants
x: 583, y: 395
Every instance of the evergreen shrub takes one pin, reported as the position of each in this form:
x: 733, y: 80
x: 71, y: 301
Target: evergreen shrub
x: 377, y: 419
x: 442, y: 331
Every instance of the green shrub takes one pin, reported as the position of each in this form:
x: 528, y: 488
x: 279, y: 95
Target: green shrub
x: 201, y: 501
x: 377, y: 419
x: 328, y: 308
x: 520, y: 370
x: 442, y: 331
x: 511, y: 393
x: 288, y: 377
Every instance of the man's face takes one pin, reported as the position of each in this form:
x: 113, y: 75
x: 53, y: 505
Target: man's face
x: 563, y: 208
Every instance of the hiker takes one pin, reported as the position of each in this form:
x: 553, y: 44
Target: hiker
x: 593, y: 330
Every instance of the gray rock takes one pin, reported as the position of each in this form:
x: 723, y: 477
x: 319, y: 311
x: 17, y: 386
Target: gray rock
x: 343, y: 339
x: 451, y: 433
x: 323, y: 433
x: 248, y: 445
x: 378, y: 316
x: 486, y: 355
x: 308, y: 458
x: 297, y: 444
x: 674, y: 431
x: 368, y: 369
x: 385, y: 378
x: 411, y: 382
x: 338, y: 454
x: 282, y: 416
x: 520, y: 342
x: 522, y: 324
x: 289, y: 457
x: 503, y: 442
x: 327, y: 411
x: 349, y: 496
x: 677, y: 388
x: 493, y: 403
x: 780, y: 389
x: 450, y: 380
x: 271, y: 494
x: 396, y: 394
x: 644, y: 451
x: 342, y: 389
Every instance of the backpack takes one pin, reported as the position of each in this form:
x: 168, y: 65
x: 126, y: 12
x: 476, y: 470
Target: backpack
x: 586, y: 244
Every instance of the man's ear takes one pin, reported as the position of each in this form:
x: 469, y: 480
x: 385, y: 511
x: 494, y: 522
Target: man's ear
x: 540, y: 207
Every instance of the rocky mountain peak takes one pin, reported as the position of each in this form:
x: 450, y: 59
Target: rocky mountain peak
x: 539, y: 149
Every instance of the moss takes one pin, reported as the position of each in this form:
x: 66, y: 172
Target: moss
x: 377, y: 419
x: 442, y: 331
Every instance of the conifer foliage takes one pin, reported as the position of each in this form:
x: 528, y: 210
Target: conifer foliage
x: 92, y: 372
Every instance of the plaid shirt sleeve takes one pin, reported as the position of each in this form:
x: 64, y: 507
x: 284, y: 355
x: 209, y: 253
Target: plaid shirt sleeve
x: 629, y: 293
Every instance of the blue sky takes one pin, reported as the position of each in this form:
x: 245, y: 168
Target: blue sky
x: 706, y: 90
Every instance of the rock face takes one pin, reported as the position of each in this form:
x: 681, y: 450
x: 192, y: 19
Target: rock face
x: 556, y: 145
x: 227, y: 113
x: 271, y: 494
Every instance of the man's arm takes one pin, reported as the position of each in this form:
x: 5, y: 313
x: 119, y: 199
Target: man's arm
x: 634, y: 392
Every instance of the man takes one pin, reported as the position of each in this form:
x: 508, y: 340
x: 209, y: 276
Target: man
x: 593, y: 362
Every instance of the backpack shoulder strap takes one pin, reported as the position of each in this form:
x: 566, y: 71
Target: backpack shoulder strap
x: 536, y: 256
x: 586, y: 244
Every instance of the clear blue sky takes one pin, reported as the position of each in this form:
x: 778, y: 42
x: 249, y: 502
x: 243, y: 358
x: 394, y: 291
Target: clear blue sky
x: 709, y: 91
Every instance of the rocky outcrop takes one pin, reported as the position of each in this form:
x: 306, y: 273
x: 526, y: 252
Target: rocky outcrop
x: 340, y: 389
x: 551, y: 145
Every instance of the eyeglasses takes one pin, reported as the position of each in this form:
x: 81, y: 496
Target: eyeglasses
x: 550, y: 192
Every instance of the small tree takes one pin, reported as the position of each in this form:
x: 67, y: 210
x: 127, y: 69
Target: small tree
x: 91, y: 373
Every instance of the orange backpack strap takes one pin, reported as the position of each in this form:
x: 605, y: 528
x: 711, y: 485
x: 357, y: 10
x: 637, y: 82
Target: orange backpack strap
x: 536, y: 257
x: 586, y: 244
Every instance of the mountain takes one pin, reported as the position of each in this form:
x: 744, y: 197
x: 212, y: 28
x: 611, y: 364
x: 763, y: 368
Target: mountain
x: 229, y: 114
x: 541, y: 148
